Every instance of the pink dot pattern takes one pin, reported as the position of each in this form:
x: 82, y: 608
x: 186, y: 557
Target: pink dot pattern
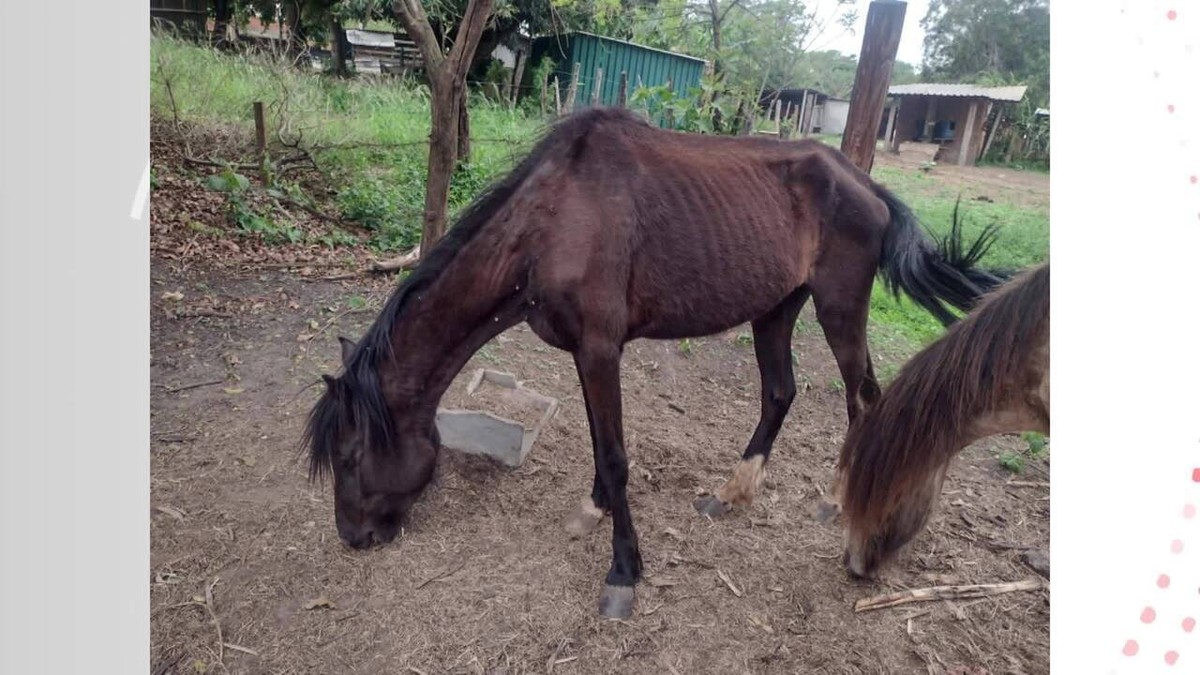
x: 1174, y: 626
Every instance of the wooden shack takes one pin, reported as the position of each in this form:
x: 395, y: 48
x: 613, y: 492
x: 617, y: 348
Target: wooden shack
x: 958, y: 117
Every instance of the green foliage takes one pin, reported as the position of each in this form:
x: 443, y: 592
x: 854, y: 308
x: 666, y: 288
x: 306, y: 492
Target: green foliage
x: 1038, y: 446
x: 227, y: 180
x: 1013, y: 462
x: 763, y: 43
x: 989, y: 41
x: 252, y: 221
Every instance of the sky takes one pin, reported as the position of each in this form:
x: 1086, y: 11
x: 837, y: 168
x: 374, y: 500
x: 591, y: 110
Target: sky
x: 911, y: 38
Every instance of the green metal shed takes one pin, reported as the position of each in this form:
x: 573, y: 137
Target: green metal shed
x: 612, y: 57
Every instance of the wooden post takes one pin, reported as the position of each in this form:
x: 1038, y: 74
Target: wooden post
x: 803, y: 111
x: 572, y: 89
x: 965, y: 138
x: 896, y: 135
x: 518, y: 73
x: 881, y: 40
x: 778, y: 109
x: 260, y: 131
x: 930, y: 118
x: 891, y: 125
x: 597, y: 85
x: 621, y: 92
x: 989, y: 131
x: 557, y: 98
x: 810, y: 108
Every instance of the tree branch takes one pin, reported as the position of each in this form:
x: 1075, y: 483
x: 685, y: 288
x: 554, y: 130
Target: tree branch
x: 416, y: 24
x: 725, y: 12
x: 469, y: 32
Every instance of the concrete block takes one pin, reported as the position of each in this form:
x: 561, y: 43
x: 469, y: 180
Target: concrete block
x: 483, y: 433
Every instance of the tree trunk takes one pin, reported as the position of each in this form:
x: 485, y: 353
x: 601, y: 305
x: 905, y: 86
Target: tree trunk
x: 443, y: 146
x: 463, y: 155
x: 447, y: 74
x: 716, y: 34
x: 224, y: 14
x: 293, y: 18
x: 338, y: 47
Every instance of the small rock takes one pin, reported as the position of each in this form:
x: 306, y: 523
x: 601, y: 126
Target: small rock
x: 1038, y: 561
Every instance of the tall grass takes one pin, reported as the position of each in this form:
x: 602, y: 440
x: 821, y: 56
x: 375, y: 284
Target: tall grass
x: 370, y: 134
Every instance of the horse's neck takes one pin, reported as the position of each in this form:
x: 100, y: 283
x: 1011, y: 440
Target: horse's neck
x: 476, y: 297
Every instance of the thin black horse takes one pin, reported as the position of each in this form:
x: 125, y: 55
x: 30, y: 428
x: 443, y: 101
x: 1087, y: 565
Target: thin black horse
x: 612, y: 230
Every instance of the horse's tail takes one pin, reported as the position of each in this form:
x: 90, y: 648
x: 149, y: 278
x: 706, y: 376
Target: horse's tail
x: 934, y: 273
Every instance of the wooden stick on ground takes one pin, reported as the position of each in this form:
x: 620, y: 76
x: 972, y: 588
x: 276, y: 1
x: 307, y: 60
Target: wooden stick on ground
x: 944, y: 593
x: 403, y: 262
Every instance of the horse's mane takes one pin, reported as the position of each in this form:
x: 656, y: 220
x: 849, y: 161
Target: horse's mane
x: 356, y: 398
x: 922, y: 417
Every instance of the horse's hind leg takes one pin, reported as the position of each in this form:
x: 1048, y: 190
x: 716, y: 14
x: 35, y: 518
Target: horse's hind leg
x: 843, y: 316
x: 599, y: 367
x: 842, y: 310
x: 772, y: 348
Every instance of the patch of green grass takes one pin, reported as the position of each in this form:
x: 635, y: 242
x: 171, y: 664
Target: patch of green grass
x: 1038, y: 445
x: 371, y: 136
x: 685, y: 347
x: 1013, y: 462
x: 1023, y: 240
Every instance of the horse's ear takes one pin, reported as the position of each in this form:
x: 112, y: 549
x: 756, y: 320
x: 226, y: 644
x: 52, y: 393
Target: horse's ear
x: 347, y: 350
x: 329, y: 382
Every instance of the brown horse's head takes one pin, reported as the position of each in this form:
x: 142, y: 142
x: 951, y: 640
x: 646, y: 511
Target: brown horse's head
x: 379, y: 468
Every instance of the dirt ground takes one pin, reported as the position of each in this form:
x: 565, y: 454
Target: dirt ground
x: 248, y: 575
x: 1026, y: 188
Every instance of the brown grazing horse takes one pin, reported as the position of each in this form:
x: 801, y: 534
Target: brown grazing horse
x: 612, y: 230
x: 989, y: 374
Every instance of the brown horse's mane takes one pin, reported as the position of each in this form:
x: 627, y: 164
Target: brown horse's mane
x: 920, y: 421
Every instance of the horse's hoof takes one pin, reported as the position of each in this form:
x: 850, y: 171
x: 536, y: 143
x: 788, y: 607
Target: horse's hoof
x: 711, y: 506
x: 616, y: 602
x: 582, y: 521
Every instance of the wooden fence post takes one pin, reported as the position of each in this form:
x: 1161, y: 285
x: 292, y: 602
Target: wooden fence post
x: 572, y: 88
x: 558, y: 111
x: 621, y: 92
x: 597, y: 85
x: 260, y: 131
x: 518, y: 74
x: 881, y: 40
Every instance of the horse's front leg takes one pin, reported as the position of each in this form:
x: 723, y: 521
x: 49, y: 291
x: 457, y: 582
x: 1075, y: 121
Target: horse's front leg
x: 599, y: 367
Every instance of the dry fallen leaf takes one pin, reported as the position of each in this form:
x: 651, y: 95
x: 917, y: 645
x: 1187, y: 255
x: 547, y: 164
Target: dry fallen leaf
x: 313, y: 324
x: 673, y: 533
x: 320, y: 603
x: 172, y: 296
x: 248, y: 461
x: 233, y: 390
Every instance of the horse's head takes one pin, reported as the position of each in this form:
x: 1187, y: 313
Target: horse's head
x: 379, y: 467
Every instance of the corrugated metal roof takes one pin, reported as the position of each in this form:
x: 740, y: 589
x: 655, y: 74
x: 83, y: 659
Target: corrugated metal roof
x: 370, y: 38
x: 1013, y: 94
